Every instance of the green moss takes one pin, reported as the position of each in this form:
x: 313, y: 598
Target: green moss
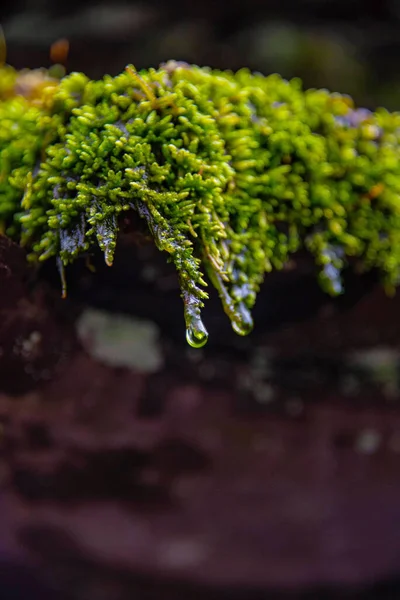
x: 231, y: 172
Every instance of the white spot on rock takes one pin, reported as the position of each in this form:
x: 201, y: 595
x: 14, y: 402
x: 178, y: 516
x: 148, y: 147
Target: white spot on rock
x: 120, y: 341
x: 29, y: 346
x: 382, y: 363
x: 368, y: 441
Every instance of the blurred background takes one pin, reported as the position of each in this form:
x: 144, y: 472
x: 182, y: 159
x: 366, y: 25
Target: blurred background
x: 132, y: 466
x: 341, y: 44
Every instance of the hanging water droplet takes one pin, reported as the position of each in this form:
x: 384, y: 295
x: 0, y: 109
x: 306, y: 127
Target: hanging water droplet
x: 243, y: 322
x: 108, y: 258
x: 196, y: 333
x: 196, y: 337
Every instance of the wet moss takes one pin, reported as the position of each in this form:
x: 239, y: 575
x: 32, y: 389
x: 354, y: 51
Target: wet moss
x: 232, y: 173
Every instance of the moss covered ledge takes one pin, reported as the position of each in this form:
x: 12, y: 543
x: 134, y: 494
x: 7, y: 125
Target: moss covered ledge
x: 231, y: 172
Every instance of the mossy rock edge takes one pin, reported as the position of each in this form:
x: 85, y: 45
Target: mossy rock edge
x: 231, y: 172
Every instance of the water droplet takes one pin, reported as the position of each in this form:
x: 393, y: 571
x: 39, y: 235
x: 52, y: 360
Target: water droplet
x: 243, y: 322
x: 196, y: 337
x: 196, y: 333
x: 241, y: 328
x: 108, y: 257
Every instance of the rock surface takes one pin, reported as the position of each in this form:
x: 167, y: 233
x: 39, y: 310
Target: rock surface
x: 257, y: 464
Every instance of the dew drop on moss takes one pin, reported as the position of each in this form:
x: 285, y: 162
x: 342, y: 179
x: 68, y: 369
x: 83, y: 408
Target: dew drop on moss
x: 196, y: 337
x: 243, y: 323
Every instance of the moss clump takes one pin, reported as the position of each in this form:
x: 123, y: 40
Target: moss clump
x: 231, y: 172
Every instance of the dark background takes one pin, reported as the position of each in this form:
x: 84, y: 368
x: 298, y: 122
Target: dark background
x: 349, y: 46
x: 256, y: 468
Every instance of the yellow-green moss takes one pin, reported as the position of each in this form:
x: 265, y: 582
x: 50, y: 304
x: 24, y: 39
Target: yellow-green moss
x: 231, y: 172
